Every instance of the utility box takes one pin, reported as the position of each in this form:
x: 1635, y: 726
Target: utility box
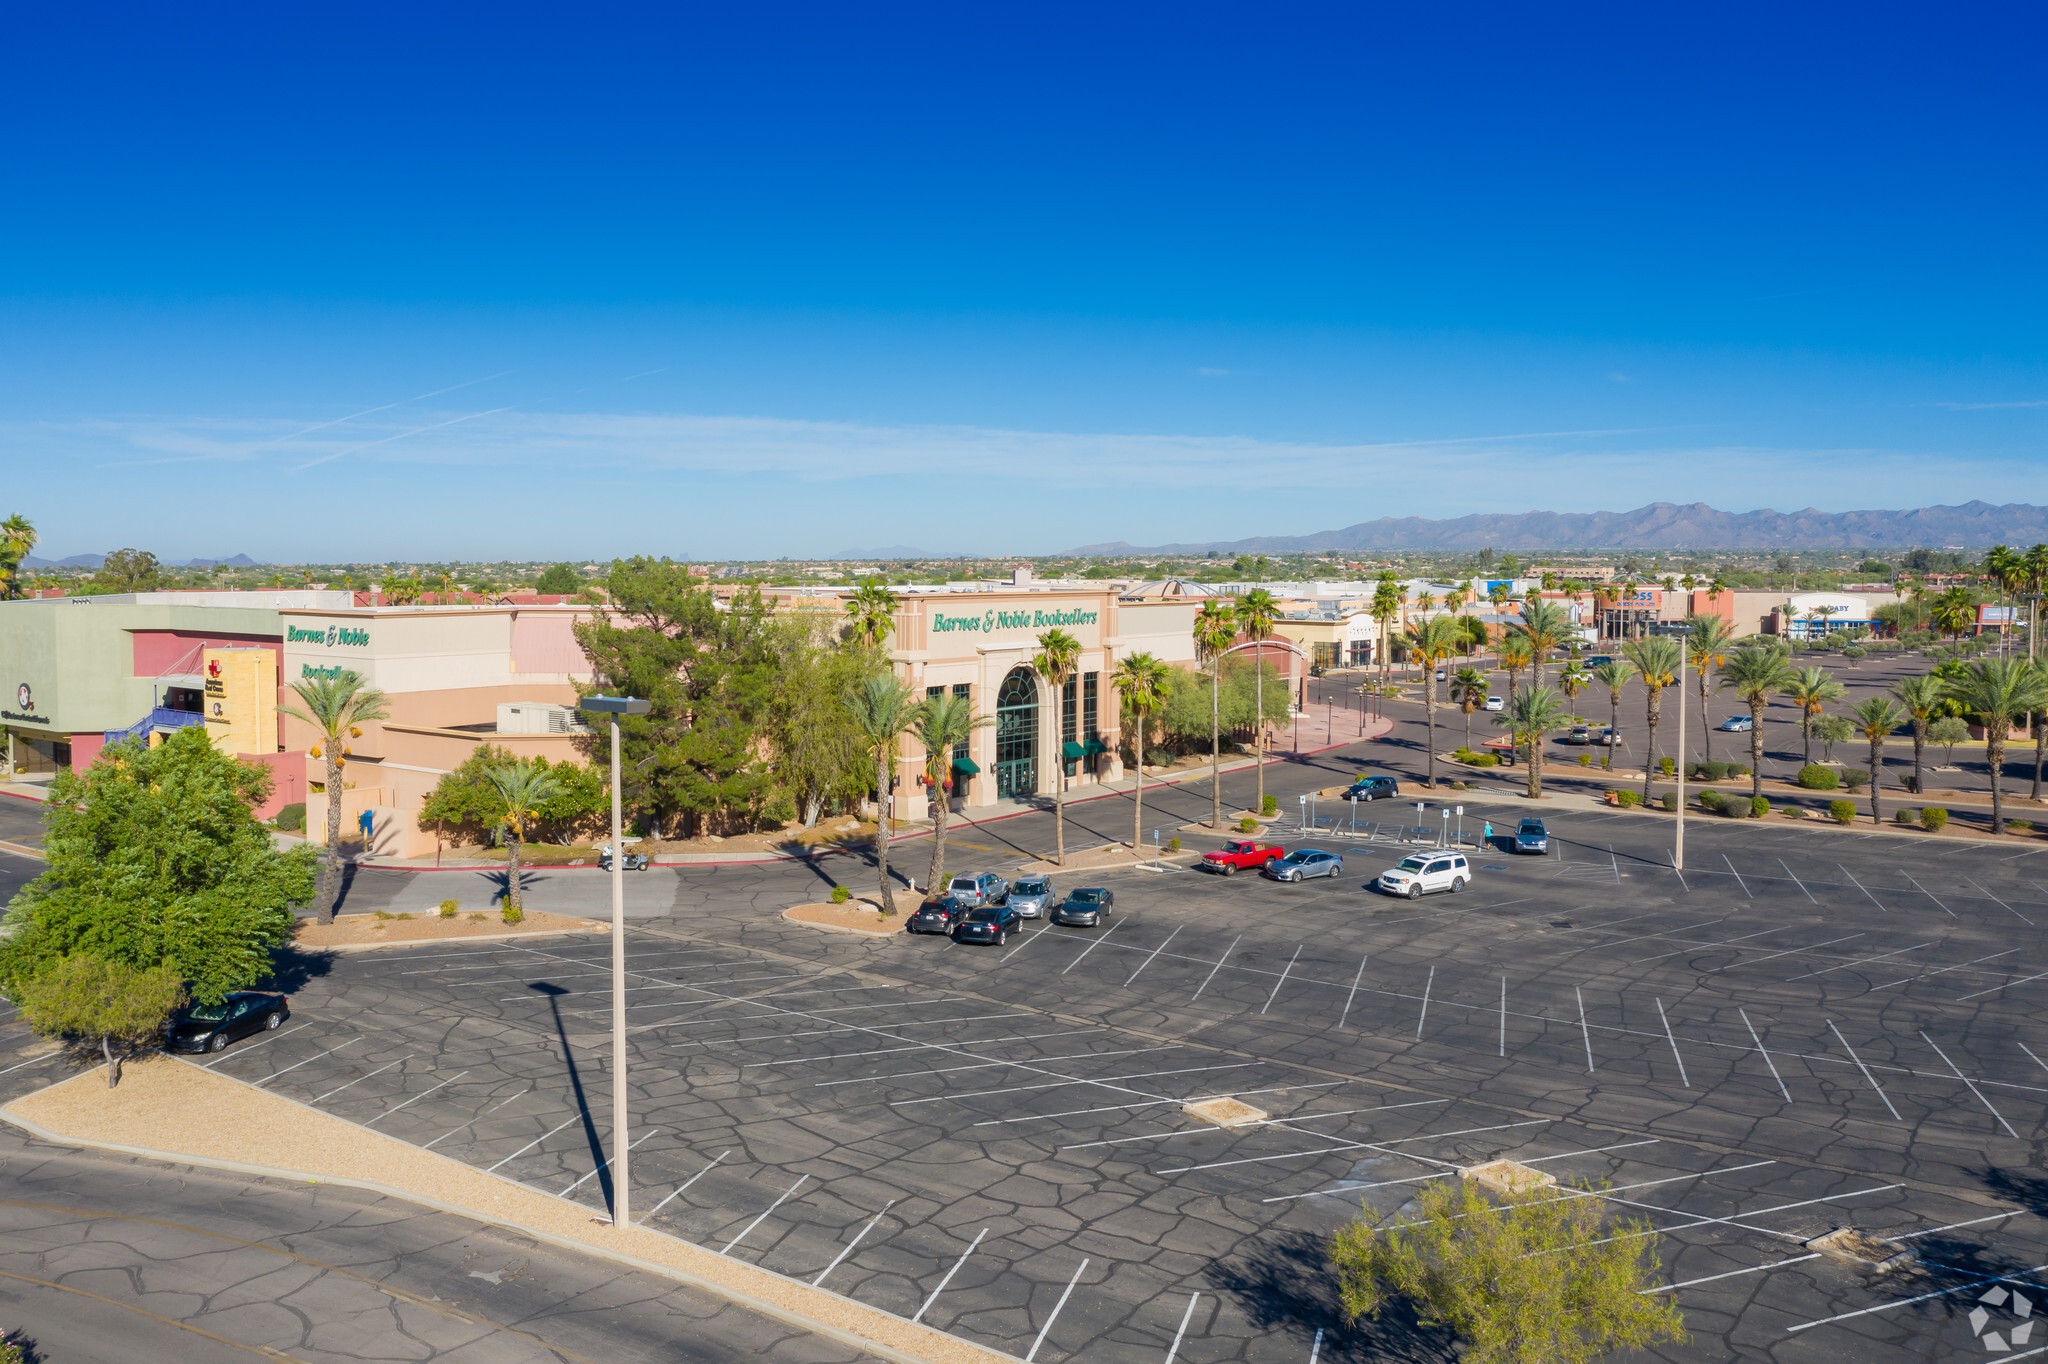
x: 538, y: 717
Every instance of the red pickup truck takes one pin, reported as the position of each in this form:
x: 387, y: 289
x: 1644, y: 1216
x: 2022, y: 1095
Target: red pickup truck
x: 1242, y: 852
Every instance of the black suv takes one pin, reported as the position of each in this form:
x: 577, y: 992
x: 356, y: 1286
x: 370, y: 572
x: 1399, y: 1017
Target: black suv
x: 1373, y: 788
x: 987, y: 923
x: 938, y: 914
x: 210, y: 1027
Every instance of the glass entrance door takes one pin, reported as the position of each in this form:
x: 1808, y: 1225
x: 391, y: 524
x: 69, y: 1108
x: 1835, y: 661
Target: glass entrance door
x: 1017, y: 735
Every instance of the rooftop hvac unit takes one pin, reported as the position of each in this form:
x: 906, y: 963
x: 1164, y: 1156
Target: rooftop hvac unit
x: 537, y: 717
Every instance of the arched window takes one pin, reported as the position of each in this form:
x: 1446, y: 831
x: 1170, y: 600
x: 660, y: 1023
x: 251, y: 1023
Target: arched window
x: 1017, y: 734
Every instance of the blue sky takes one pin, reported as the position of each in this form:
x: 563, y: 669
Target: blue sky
x: 767, y: 280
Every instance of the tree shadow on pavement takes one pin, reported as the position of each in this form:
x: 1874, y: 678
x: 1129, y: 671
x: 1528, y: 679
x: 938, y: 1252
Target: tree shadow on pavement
x: 1287, y: 1284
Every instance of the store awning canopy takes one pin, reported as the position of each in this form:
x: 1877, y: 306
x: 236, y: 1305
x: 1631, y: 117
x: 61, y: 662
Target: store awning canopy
x: 966, y: 765
x: 1070, y: 749
x: 1096, y: 746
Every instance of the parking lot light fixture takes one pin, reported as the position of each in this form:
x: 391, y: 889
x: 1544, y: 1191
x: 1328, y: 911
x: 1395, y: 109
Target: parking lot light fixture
x: 615, y: 706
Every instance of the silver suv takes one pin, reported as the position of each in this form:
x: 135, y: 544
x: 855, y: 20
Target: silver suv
x: 973, y: 890
x: 1031, y: 895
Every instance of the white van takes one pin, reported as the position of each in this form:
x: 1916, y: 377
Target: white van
x: 1426, y: 872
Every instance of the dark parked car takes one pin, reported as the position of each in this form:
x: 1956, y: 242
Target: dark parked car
x: 210, y: 1027
x: 1531, y: 837
x: 1303, y: 863
x: 1085, y: 907
x: 987, y: 923
x: 1373, y: 788
x: 938, y: 914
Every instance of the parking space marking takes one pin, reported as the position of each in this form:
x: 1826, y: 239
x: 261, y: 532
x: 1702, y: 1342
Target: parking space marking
x: 1766, y: 1055
x: 1219, y: 966
x: 1868, y: 1077
x: 1919, y: 1297
x: 1732, y: 1274
x: 1283, y: 978
x: 415, y: 1099
x: 949, y: 1276
x: 862, y: 1233
x: 1929, y: 894
x: 1680, y: 870
x: 1040, y: 1339
x: 1503, y: 1016
x: 1861, y: 961
x: 277, y: 1036
x: 1584, y: 1032
x: 1738, y: 875
x: 915, y: 1046
x: 1420, y: 1018
x: 1354, y: 989
x: 648, y: 1216
x: 1150, y: 1103
x: 1185, y: 1317
x: 1973, y: 1222
x: 2031, y: 1057
x: 574, y: 1117
x: 1928, y: 975
x: 360, y: 1078
x: 1155, y: 952
x: 1107, y: 1081
x: 1796, y: 881
x: 1971, y: 1084
x: 472, y: 1122
x: 1098, y: 941
x: 1865, y: 889
x: 764, y: 1216
x: 1724, y: 942
x: 1045, y: 929
x: 1664, y: 933
x: 2001, y: 904
x: 848, y: 1027
x: 1661, y: 1018
x: 1358, y: 1146
x: 1263, y: 1122
x: 603, y: 1165
x: 296, y: 1064
x: 2008, y: 985
x: 33, y: 1061
x: 986, y: 1065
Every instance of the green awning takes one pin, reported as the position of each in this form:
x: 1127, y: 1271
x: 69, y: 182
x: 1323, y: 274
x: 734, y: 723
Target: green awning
x: 1096, y: 746
x: 1071, y: 750
x: 966, y: 765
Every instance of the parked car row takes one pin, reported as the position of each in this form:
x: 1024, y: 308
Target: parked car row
x: 983, y: 907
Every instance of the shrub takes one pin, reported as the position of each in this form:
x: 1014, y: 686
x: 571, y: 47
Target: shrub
x: 1758, y: 807
x: 1855, y: 779
x: 1814, y: 777
x: 1628, y: 799
x: 1665, y: 766
x: 1173, y: 844
x: 1910, y: 783
x: 1844, y: 811
x: 1585, y: 760
x: 1933, y: 819
x: 1486, y: 760
x: 1852, y: 652
x: 511, y: 913
x: 1247, y: 825
x: 840, y: 895
x: 1905, y: 816
x: 1670, y: 800
x: 476, y: 917
x: 1712, y: 800
x: 1158, y: 757
x: 1735, y: 770
x: 292, y: 816
x: 1793, y: 812
x: 448, y: 908
x: 2020, y: 826
x: 1271, y: 806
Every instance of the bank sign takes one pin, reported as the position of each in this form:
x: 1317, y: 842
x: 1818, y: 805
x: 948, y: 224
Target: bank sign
x: 331, y: 636
x: 991, y: 621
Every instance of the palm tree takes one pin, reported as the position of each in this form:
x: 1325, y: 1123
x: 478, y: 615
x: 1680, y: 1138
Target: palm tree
x: 1922, y: 697
x: 2007, y: 570
x: 1997, y: 691
x: 338, y: 707
x: 1256, y: 612
x: 1386, y: 604
x: 939, y: 723
x: 1811, y: 689
x: 872, y: 610
x: 1530, y: 716
x: 1215, y: 631
x: 882, y: 708
x: 1432, y: 640
x: 1515, y: 655
x: 1953, y: 611
x: 1546, y: 625
x: 1614, y: 675
x: 17, y: 538
x: 1142, y: 678
x: 523, y: 786
x: 1755, y: 672
x: 1877, y: 718
x: 1708, y: 642
x: 1058, y: 658
x: 1658, y: 661
x: 1468, y: 689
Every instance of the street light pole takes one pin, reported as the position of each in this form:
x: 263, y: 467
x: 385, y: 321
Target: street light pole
x: 614, y: 707
x: 1678, y: 850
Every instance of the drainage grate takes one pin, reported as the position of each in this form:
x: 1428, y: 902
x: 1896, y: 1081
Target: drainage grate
x: 1507, y: 1177
x: 1224, y: 1112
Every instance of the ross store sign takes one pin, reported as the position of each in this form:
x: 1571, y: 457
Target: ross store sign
x: 990, y: 621
x: 25, y: 697
x: 331, y: 636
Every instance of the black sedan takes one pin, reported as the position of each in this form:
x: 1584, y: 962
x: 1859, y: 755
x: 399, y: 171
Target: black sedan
x: 1086, y: 907
x: 938, y: 914
x: 988, y: 923
x: 210, y: 1027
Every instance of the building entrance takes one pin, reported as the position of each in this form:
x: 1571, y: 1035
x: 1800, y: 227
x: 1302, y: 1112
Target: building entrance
x: 1017, y: 735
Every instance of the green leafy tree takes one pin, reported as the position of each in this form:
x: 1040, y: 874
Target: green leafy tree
x: 1533, y: 1279
x: 1831, y: 730
x: 708, y: 674
x: 1657, y: 662
x: 338, y: 707
x: 1057, y: 660
x: 85, y: 997
x: 819, y: 753
x: 1707, y: 647
x: 1921, y: 696
x: 1432, y: 641
x: 154, y: 859
x: 1215, y: 631
x: 128, y: 570
x: 1876, y: 718
x: 882, y: 708
x: 1756, y: 672
x: 465, y: 804
x: 522, y: 788
x: 1811, y: 689
x: 1257, y: 610
x: 938, y: 724
x: 1141, y: 678
x: 1949, y: 731
x: 1998, y: 691
x: 1614, y: 674
x: 559, y: 580
x: 1532, y: 714
x: 871, y: 611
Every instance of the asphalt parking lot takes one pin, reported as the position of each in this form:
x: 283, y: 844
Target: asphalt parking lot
x: 1800, y: 1031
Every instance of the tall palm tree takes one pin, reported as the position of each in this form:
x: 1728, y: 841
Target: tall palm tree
x: 1922, y: 697
x: 882, y: 709
x: 338, y: 707
x: 1708, y: 642
x: 1468, y: 689
x: 1657, y: 659
x: 1515, y: 655
x: 1614, y: 674
x: 2007, y: 570
x: 1547, y: 626
x: 1256, y: 612
x: 1954, y: 610
x: 1531, y: 716
x: 1386, y: 605
x: 1432, y: 640
x: 523, y: 786
x: 1057, y: 660
x: 1811, y: 689
x: 1572, y: 679
x: 1998, y: 691
x: 1756, y: 672
x: 1877, y: 718
x: 1215, y: 631
x: 872, y: 611
x: 1142, y: 679
x: 17, y: 538
x: 940, y: 722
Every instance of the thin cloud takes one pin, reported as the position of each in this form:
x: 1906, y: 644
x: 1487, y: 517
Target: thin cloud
x: 1985, y: 407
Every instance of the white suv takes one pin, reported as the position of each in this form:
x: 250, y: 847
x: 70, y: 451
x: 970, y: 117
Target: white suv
x: 1425, y: 872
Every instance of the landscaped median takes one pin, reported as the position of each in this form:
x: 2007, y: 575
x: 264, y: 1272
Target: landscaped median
x: 171, y: 1110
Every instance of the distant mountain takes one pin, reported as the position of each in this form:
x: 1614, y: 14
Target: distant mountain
x: 72, y: 561
x: 239, y: 561
x: 1661, y: 525
x: 887, y: 552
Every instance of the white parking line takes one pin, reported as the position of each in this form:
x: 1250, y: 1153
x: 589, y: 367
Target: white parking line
x: 1151, y: 1103
x: 2031, y: 1057
x: 1047, y: 928
x: 1354, y: 989
x: 1738, y: 875
x: 764, y: 1216
x: 1928, y: 893
x: 466, y: 1126
x: 1100, y: 939
x: 359, y: 1079
x: 1973, y: 1222
x: 1155, y: 952
x: 1919, y: 1297
x: 2000, y: 903
x: 1503, y: 1016
x: 2008, y: 985
x: 1674, y: 1045
x: 1732, y: 1274
x: 1926, y: 975
x: 1972, y: 1086
x: 846, y: 1027
x: 602, y: 1165
x: 859, y: 1235
x: 1861, y: 961
x: 1427, y: 986
x: 1584, y: 1032
x: 1040, y: 1340
x: 1865, y: 889
x: 1219, y: 966
x: 415, y: 1099
x: 987, y: 1065
x: 277, y: 1036
x: 1283, y: 979
x: 574, y: 1117
x: 684, y: 1185
x: 1057, y: 1084
x: 1796, y: 881
x: 1185, y: 1317
x: 1357, y: 1146
x: 916, y: 1046
x: 1790, y: 951
x: 296, y: 1064
x: 1766, y: 1055
x: 1265, y: 1122
x: 36, y: 1061
x: 949, y: 1276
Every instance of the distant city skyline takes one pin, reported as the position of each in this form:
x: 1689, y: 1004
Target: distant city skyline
x: 460, y: 283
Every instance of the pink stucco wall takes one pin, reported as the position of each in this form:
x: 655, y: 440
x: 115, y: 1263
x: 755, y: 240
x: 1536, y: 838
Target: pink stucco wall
x: 84, y: 749
x: 288, y: 779
x: 162, y: 651
x: 546, y: 643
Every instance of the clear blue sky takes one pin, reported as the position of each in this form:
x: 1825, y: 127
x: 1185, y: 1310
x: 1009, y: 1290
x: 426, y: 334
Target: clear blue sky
x: 763, y: 280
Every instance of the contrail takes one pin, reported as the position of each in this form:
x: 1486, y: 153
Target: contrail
x: 386, y: 440
x: 371, y: 411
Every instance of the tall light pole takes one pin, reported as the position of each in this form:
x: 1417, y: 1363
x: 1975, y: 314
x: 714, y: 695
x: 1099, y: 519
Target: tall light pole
x: 614, y: 707
x: 1678, y: 850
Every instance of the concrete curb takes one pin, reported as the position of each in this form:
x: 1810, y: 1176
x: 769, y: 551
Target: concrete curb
x: 595, y: 928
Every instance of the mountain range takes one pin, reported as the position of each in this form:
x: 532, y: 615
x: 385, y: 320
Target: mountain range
x: 1660, y: 525
x: 94, y: 561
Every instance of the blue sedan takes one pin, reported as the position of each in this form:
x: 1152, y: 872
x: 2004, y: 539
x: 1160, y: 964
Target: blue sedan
x: 1303, y: 863
x: 1532, y: 837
